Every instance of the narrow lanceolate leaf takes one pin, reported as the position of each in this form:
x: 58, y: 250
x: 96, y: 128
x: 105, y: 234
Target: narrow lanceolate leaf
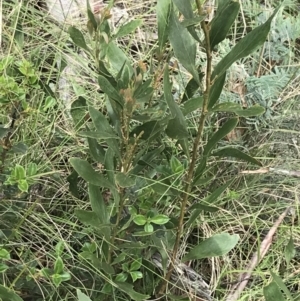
x: 235, y: 153
x: 97, y: 203
x: 193, y: 21
x: 184, y: 45
x: 221, y: 23
x: 192, y: 87
x: 273, y: 292
x: 185, y: 7
x: 245, y: 46
x: 128, y: 289
x: 78, y: 111
x: 109, y: 90
x: 87, y: 172
x: 217, y: 245
x: 98, y: 135
x: 125, y: 180
x: 102, y: 125
x: 216, y: 90
x: 213, y: 196
x: 78, y: 38
x: 255, y: 110
x: 192, y: 104
x: 220, y: 134
x: 176, y: 128
x: 289, y: 251
x: 128, y: 28
x: 117, y: 57
x: 236, y: 108
x: 278, y: 280
x: 163, y: 10
x: 8, y: 294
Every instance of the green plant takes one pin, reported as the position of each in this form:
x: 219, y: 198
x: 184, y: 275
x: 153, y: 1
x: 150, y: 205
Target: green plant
x: 130, y: 140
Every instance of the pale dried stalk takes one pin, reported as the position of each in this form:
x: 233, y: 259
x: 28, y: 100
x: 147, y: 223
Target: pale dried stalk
x: 279, y: 171
x: 257, y: 257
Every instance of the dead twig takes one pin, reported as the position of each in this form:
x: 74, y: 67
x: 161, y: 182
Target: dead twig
x: 279, y: 171
x: 237, y: 289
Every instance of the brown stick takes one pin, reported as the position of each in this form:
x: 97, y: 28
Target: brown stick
x: 257, y: 257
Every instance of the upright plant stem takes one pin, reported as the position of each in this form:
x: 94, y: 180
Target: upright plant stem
x: 195, y: 153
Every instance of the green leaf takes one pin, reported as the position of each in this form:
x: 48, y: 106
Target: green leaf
x: 4, y: 254
x: 223, y: 20
x: 226, y: 107
x: 214, y: 195
x: 289, y: 251
x: 196, y: 212
x: 59, y: 248
x: 31, y: 169
x: 88, y: 218
x: 91, y: 16
x: 50, y: 102
x: 236, y: 108
x: 96, y: 150
x: 3, y: 132
x: 81, y: 296
x: 59, y: 278
x: 3, y: 268
x: 19, y: 34
x: 255, y: 110
x: 58, y: 266
x: 192, y: 86
x: 184, y: 45
x: 128, y: 28
x: 73, y: 182
x: 98, y: 135
x: 19, y: 148
x: 110, y: 91
x: 102, y: 125
x: 136, y: 265
x: 140, y: 220
x: 23, y: 185
x: 193, y: 21
x: 192, y: 105
x: 272, y: 292
x: 87, y: 172
x: 163, y: 10
x: 128, y: 289
x: 159, y: 219
x: 235, y: 153
x: 217, y: 245
x: 98, y: 263
x: 144, y: 92
x: 281, y: 285
x: 150, y: 129
x: 78, y: 38
x: 148, y: 228
x: 122, y: 277
x: 8, y: 295
x: 19, y: 172
x: 176, y: 128
x: 109, y: 165
x: 216, y: 90
x: 220, y: 134
x: 245, y: 46
x: 79, y: 111
x: 98, y: 204
x: 186, y: 9
x: 117, y: 58
x: 125, y: 180
x: 135, y: 275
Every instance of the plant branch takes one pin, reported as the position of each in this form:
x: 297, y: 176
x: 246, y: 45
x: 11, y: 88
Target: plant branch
x: 195, y: 153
